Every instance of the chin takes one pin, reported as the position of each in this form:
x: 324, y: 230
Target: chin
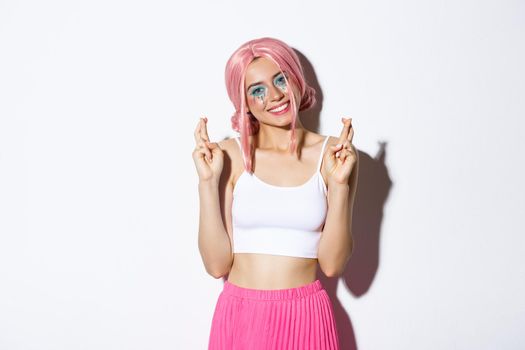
x: 280, y: 120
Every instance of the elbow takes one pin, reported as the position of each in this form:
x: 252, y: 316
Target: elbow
x: 333, y: 264
x: 217, y: 274
x: 333, y: 272
x: 335, y: 269
x: 218, y: 271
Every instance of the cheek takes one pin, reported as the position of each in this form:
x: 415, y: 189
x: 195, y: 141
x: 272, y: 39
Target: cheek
x: 297, y: 94
x: 295, y: 91
x: 255, y: 102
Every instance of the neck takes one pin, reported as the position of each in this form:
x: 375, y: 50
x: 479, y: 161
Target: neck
x: 278, y: 139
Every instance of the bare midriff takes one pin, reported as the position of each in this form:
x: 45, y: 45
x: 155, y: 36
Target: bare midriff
x: 265, y: 271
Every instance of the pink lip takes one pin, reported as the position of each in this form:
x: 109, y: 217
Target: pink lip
x: 283, y: 111
x: 279, y: 105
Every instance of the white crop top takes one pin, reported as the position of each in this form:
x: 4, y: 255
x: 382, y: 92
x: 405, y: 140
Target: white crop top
x: 279, y: 220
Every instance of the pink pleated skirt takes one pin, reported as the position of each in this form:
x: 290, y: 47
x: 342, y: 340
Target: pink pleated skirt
x: 256, y: 319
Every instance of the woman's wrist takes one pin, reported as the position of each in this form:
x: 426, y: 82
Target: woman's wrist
x: 335, y: 186
x: 211, y: 183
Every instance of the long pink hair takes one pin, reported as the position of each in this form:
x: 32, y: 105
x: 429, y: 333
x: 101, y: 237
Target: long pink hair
x: 286, y: 59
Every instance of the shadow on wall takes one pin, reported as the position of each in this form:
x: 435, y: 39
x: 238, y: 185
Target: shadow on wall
x: 372, y: 193
x: 373, y: 187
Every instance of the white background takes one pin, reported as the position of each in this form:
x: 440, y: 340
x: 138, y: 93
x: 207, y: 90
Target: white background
x: 98, y: 190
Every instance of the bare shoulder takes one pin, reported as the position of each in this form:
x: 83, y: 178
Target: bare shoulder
x: 227, y: 144
x: 315, y: 138
x: 334, y: 140
x: 232, y: 158
x: 231, y: 147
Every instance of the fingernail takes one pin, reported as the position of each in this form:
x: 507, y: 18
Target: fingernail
x: 338, y: 145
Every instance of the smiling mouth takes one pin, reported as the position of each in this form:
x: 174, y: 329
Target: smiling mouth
x: 281, y: 109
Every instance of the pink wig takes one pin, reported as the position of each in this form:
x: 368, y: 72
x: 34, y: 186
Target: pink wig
x: 286, y: 59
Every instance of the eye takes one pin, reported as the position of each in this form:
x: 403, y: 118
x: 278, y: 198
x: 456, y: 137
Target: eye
x: 280, y: 81
x: 258, y: 91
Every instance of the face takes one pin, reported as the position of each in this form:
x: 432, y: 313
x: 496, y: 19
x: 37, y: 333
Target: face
x: 265, y: 90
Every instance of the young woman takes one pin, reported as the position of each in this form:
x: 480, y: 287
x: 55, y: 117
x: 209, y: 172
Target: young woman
x: 274, y: 203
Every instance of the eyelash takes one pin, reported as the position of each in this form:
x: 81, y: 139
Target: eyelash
x: 279, y: 77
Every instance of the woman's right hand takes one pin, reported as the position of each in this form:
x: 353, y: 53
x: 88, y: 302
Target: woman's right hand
x: 208, y: 156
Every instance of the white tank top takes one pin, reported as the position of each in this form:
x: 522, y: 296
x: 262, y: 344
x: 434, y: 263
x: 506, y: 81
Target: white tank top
x: 279, y: 220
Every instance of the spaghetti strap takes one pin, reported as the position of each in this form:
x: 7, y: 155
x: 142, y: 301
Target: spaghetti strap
x: 322, y: 154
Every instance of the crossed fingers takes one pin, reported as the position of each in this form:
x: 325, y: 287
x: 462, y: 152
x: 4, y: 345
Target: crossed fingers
x: 346, y: 136
x: 348, y: 132
x: 201, y: 136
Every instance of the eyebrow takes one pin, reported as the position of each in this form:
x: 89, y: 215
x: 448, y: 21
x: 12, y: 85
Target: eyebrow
x: 260, y: 82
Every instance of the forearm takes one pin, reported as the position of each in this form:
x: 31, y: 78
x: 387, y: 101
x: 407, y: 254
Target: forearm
x: 214, y: 242
x: 336, y: 243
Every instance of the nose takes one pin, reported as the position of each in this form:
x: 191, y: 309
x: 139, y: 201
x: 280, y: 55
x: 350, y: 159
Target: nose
x: 275, y: 93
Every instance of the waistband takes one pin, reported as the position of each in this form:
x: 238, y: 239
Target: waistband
x: 272, y: 294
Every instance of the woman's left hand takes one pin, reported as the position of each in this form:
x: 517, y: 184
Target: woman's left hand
x: 339, y: 160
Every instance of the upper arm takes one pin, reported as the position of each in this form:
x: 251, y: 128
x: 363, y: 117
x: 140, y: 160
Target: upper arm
x: 226, y: 188
x: 352, y: 180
